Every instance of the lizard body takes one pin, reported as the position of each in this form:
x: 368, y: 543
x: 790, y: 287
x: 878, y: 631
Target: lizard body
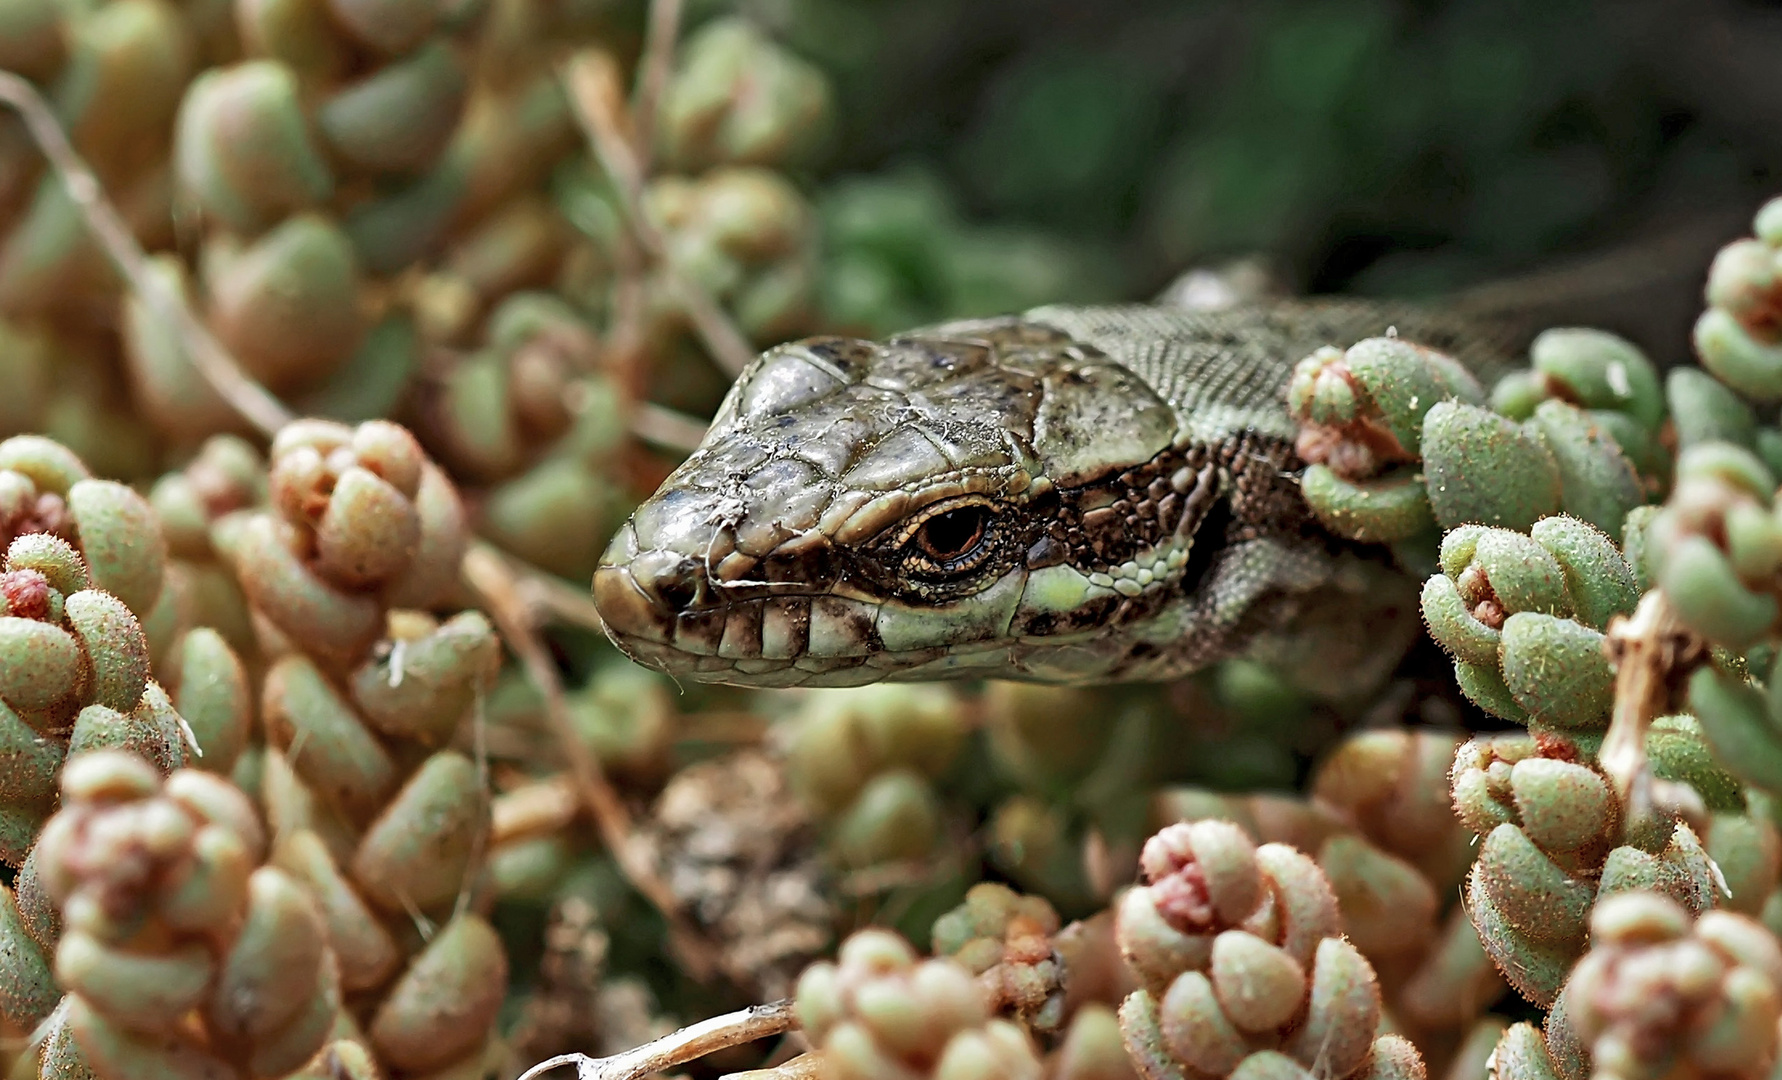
x: 1072, y: 495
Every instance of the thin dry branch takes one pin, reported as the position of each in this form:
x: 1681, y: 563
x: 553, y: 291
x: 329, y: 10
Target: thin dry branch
x: 544, y: 594
x: 494, y: 583
x: 591, y: 78
x: 1652, y: 653
x: 666, y: 428
x: 808, y: 1065
x: 247, y: 397
x: 479, y: 728
x: 652, y: 77
x: 688, y: 1044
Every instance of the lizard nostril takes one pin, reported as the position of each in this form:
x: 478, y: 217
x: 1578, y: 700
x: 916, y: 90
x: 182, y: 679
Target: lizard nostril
x: 676, y: 587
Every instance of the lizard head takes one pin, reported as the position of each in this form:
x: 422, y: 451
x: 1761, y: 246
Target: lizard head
x: 986, y: 499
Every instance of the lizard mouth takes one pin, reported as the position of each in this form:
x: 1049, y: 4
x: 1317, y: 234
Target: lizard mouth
x: 660, y: 619
x: 664, y: 610
x: 668, y: 611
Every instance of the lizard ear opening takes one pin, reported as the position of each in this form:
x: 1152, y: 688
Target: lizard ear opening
x: 1209, y: 540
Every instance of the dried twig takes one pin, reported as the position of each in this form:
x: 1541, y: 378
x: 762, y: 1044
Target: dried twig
x: 652, y: 77
x: 627, y: 345
x: 1652, y: 654
x: 666, y: 428
x: 543, y: 594
x: 490, y: 576
x: 591, y: 78
x: 688, y: 1044
x: 247, y: 397
x: 479, y: 729
x: 807, y: 1065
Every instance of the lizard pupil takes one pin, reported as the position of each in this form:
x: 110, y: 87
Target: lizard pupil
x: 951, y: 536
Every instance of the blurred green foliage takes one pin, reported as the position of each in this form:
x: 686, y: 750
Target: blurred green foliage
x: 1369, y: 145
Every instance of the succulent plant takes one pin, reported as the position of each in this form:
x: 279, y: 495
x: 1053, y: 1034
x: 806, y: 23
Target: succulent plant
x: 1707, y: 548
x: 1005, y: 939
x: 167, y: 913
x: 866, y: 759
x: 1244, y: 965
x: 1361, y: 413
x: 1551, y: 848
x: 1661, y: 992
x: 1381, y: 820
x: 880, y: 1012
x: 1513, y: 609
x: 84, y: 559
x: 740, y: 98
x: 1735, y: 336
x: 360, y: 697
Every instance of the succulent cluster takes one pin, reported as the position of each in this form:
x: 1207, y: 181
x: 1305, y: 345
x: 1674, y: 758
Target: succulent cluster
x: 881, y: 1011
x: 332, y: 704
x: 1399, y: 437
x: 1381, y: 823
x: 1660, y: 992
x: 1005, y: 939
x: 1548, y: 829
x: 1244, y: 965
x: 1736, y: 337
x: 1584, y: 889
x: 82, y: 570
x: 1509, y: 606
x: 167, y: 911
x: 867, y: 761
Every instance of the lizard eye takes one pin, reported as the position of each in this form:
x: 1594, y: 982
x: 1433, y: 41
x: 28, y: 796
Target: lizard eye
x: 946, y: 545
x: 949, y: 537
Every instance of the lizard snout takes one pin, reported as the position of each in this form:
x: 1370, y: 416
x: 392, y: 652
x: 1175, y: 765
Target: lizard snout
x: 642, y: 598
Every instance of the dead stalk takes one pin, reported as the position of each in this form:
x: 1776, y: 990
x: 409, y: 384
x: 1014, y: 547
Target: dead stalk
x: 592, y: 81
x: 667, y: 428
x: 688, y: 1044
x: 545, y: 594
x: 536, y: 808
x: 1652, y: 653
x: 498, y: 589
x: 652, y: 77
x: 808, y: 1065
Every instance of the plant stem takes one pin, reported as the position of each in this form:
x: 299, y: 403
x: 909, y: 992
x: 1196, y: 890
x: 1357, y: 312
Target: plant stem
x: 652, y: 77
x: 689, y: 1043
x: 495, y: 584
x: 591, y: 79
x: 1652, y: 654
x: 667, y: 428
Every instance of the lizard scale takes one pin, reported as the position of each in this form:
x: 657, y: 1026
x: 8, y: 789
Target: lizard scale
x: 1072, y: 495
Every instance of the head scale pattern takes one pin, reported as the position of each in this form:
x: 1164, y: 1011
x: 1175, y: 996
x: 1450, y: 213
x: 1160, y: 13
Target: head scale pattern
x: 995, y: 498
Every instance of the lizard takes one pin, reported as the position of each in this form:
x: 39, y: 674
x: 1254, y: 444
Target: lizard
x: 1073, y: 495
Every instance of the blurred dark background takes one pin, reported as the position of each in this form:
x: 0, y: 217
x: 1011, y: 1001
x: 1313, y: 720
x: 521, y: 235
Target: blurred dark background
x: 1365, y: 146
